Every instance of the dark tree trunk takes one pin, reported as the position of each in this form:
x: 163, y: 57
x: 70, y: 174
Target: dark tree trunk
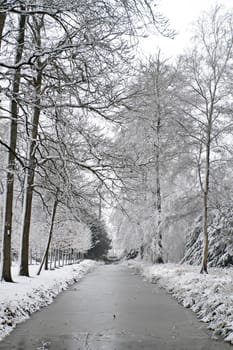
x: 45, y: 257
x: 159, y: 258
x: 158, y: 196
x: 8, y: 201
x: 2, y: 24
x: 29, y: 182
x: 205, y: 206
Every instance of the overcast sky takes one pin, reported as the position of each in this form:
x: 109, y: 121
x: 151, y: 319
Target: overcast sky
x: 181, y: 14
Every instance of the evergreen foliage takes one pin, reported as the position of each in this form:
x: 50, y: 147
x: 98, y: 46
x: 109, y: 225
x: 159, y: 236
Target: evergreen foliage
x: 220, y: 240
x: 101, y: 243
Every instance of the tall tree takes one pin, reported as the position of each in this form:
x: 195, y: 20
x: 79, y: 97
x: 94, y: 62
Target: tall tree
x: 31, y: 157
x: 151, y: 130
x: 7, y: 220
x: 204, y: 98
x: 159, y: 80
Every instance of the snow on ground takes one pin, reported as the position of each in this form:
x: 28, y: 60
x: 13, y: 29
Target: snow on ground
x: 19, y: 300
x: 209, y: 296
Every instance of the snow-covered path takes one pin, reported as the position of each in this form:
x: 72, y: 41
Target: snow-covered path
x: 209, y: 296
x: 113, y: 309
x: 27, y: 295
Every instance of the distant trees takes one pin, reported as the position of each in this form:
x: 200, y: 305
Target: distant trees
x: 101, y: 243
x: 147, y: 141
x: 158, y: 84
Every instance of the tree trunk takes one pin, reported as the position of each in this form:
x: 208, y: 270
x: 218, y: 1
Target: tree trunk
x: 45, y: 257
x: 29, y: 182
x: 51, y: 259
x: 57, y: 257
x: 158, y: 197
x: 206, y: 194
x: 64, y: 258
x: 100, y: 207
x: 159, y: 258
x: 8, y: 200
x: 2, y: 24
x: 205, y: 206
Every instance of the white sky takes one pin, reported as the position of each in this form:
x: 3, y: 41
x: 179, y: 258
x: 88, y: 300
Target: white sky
x: 181, y: 14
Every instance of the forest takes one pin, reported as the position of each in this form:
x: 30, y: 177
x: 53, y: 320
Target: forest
x: 98, y: 143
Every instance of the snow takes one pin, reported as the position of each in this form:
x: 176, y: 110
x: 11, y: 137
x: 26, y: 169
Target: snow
x: 209, y: 296
x: 19, y: 300
x: 220, y: 240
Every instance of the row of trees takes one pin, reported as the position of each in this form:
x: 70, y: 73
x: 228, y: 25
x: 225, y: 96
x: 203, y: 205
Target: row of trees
x: 83, y: 126
x: 64, y: 72
x: 179, y: 134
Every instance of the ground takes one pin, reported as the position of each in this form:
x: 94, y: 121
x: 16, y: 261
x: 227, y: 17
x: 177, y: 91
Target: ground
x: 113, y: 308
x: 209, y: 296
x: 19, y: 300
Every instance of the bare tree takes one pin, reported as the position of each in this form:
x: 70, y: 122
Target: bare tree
x: 31, y: 158
x: 158, y: 71
x: 204, y: 97
x: 7, y: 221
x: 87, y: 62
x: 148, y: 141
x: 46, y: 253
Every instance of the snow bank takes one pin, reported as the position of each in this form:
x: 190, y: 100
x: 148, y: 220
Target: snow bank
x: 209, y: 296
x: 19, y: 300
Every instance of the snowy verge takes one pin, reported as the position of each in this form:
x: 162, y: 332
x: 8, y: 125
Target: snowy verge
x: 209, y: 296
x: 19, y: 300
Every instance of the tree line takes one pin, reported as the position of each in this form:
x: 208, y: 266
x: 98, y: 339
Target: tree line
x: 179, y: 135
x: 86, y: 125
x: 64, y: 69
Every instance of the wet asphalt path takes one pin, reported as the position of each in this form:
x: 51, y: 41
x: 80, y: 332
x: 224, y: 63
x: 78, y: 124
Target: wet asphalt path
x: 83, y: 318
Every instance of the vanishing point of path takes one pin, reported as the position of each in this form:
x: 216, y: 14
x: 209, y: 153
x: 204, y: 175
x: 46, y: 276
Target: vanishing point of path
x: 83, y: 318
